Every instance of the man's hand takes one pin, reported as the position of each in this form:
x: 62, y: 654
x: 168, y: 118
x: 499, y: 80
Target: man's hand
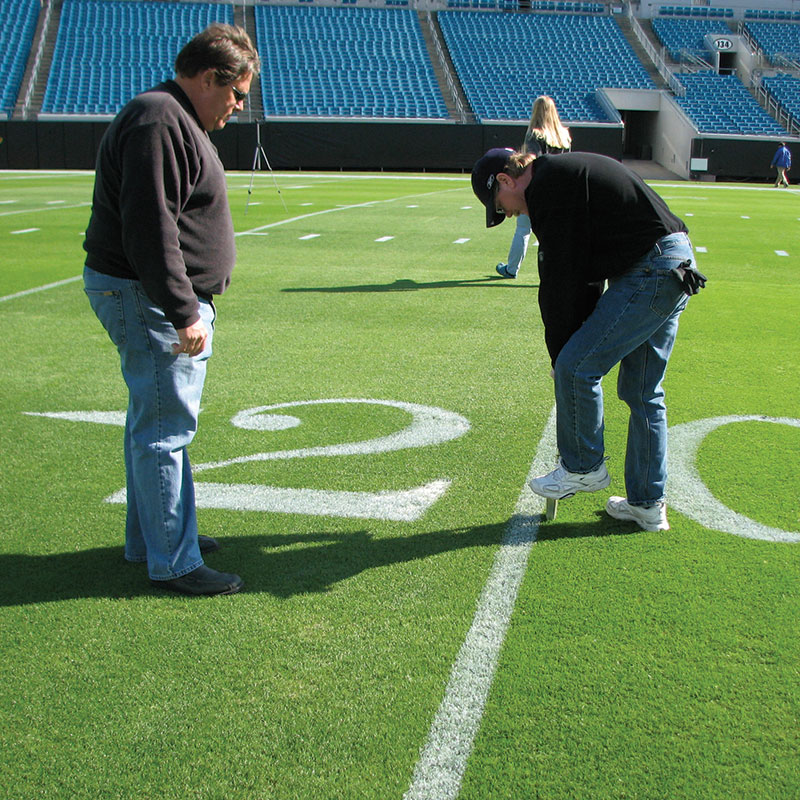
x: 192, y: 339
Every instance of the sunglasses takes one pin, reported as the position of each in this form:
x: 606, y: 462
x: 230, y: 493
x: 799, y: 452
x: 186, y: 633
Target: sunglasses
x: 238, y: 94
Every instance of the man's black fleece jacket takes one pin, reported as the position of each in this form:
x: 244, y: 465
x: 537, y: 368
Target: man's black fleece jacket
x: 594, y: 219
x: 160, y: 211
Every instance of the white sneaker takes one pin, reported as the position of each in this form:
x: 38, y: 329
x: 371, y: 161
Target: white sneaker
x: 562, y: 483
x: 650, y: 518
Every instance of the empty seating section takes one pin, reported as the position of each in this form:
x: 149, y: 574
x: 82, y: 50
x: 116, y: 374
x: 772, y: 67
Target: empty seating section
x: 109, y: 50
x: 721, y: 104
x: 772, y: 14
x: 505, y: 60
x: 345, y: 62
x: 786, y: 90
x: 17, y: 25
x: 776, y: 38
x: 681, y: 35
x: 694, y: 11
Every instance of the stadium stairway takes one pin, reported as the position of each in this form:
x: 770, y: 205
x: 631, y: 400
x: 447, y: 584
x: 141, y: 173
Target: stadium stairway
x: 443, y: 68
x: 245, y: 17
x: 627, y: 30
x: 40, y: 79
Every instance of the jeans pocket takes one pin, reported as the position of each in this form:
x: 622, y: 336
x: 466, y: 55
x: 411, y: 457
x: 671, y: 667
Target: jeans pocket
x: 668, y: 295
x: 107, y: 305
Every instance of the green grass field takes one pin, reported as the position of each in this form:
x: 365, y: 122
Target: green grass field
x: 356, y: 664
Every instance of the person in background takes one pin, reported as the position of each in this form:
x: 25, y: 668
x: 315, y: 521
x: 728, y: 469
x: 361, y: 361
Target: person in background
x: 159, y: 246
x: 782, y: 161
x: 598, y: 221
x: 545, y: 134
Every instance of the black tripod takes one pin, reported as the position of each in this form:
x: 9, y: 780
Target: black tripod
x: 257, y: 156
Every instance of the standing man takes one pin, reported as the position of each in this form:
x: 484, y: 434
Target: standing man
x: 782, y: 161
x: 160, y: 244
x: 597, y: 221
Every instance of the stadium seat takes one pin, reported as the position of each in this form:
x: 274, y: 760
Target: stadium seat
x: 17, y: 26
x: 776, y: 38
x: 722, y: 104
x: 374, y: 62
x: 514, y: 52
x: 108, y: 51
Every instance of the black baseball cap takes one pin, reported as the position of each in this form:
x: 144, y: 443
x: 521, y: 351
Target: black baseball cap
x: 484, y: 177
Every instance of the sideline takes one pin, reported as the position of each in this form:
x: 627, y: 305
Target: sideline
x: 443, y: 759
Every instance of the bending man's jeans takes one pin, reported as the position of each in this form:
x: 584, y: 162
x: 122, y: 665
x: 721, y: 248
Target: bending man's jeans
x: 634, y: 323
x: 164, y: 394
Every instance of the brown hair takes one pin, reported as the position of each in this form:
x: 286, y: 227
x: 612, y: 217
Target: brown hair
x: 517, y: 163
x: 227, y: 49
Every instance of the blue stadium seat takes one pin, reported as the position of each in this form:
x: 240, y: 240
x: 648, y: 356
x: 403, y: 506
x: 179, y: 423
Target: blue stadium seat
x: 722, y: 104
x: 107, y: 51
x: 678, y: 34
x: 786, y: 90
x: 346, y: 62
x: 17, y: 25
x: 776, y: 38
x: 505, y: 60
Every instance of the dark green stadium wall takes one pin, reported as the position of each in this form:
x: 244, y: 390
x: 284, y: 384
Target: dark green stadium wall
x: 358, y: 145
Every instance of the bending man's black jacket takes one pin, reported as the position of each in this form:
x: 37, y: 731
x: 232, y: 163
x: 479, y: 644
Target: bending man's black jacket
x: 594, y: 219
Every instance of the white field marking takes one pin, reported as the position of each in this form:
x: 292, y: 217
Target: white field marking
x: 460, y: 241
x: 411, y: 206
x: 466, y: 208
x: 40, y: 288
x: 101, y: 417
x: 385, y: 239
x: 443, y: 759
x: 781, y: 253
x: 55, y: 202
x: 395, y: 506
x: 368, y: 204
x: 308, y: 236
x: 40, y: 210
x: 745, y: 217
x: 306, y: 204
x: 701, y: 249
x: 688, y: 494
x: 11, y: 174
x: 688, y: 215
x: 7, y: 202
x: 24, y: 230
x: 428, y: 426
x: 338, y: 177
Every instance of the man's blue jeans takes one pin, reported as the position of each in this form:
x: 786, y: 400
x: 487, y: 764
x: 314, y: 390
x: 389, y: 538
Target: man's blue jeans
x: 164, y: 394
x: 634, y: 324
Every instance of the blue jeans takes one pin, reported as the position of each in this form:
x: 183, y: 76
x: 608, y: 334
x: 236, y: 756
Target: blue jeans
x: 164, y: 394
x: 634, y: 324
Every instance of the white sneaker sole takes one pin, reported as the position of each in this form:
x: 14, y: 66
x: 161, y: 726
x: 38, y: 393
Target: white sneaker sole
x: 627, y: 516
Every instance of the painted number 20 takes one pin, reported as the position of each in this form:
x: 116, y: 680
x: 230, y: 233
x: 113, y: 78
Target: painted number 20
x: 428, y: 426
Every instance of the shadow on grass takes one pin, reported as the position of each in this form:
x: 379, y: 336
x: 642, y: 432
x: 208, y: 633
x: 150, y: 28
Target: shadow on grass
x: 276, y: 564
x: 408, y: 285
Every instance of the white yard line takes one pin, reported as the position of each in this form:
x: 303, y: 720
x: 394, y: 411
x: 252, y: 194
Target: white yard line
x: 18, y: 211
x: 41, y: 288
x: 443, y: 759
